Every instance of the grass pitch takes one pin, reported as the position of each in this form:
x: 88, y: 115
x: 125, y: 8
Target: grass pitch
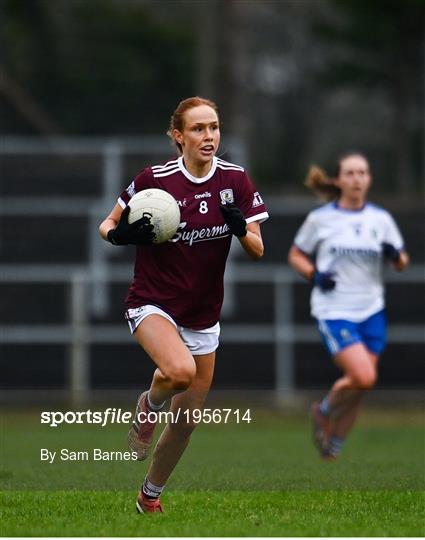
x: 257, y: 479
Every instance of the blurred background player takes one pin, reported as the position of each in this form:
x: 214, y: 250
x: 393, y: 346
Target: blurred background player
x: 174, y: 302
x: 340, y: 249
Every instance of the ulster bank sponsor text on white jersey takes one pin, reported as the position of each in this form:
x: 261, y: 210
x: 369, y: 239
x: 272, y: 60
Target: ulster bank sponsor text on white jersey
x: 348, y: 243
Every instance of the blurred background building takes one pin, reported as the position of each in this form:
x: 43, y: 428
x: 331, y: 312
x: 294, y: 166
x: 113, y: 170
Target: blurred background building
x: 86, y: 92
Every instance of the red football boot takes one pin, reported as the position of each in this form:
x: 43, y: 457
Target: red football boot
x: 144, y: 505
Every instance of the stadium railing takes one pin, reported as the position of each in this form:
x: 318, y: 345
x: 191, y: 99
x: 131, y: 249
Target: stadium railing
x: 80, y: 333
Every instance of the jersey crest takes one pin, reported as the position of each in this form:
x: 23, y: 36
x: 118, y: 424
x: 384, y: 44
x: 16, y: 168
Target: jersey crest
x: 226, y: 196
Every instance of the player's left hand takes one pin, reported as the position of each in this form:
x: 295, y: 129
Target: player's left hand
x: 234, y: 219
x: 324, y: 280
x: 390, y: 252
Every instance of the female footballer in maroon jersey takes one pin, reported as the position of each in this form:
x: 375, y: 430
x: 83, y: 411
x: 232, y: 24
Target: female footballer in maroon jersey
x: 174, y: 302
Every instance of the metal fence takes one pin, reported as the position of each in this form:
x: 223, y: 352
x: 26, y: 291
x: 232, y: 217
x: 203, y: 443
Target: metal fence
x: 80, y: 333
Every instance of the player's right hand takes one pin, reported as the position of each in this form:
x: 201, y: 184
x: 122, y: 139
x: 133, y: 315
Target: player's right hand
x: 138, y: 233
x: 324, y: 280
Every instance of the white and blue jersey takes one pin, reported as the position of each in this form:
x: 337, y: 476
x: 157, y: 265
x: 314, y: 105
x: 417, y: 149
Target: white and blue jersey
x: 348, y: 243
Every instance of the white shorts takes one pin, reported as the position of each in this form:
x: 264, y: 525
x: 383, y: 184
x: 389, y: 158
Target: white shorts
x: 197, y: 341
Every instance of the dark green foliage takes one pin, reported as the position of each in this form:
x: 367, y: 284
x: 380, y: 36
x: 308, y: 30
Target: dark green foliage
x: 97, y: 66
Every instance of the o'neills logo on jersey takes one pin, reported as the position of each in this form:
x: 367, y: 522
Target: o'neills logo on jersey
x: 200, y: 235
x: 202, y: 195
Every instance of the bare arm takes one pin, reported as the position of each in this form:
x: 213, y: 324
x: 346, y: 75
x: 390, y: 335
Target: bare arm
x: 403, y: 261
x: 301, y: 263
x: 110, y: 222
x: 253, y: 242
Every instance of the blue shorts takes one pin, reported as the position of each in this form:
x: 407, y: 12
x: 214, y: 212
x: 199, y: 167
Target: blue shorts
x: 339, y: 334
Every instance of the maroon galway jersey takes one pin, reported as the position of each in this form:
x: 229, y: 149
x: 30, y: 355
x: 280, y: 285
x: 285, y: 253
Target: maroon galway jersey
x: 184, y: 276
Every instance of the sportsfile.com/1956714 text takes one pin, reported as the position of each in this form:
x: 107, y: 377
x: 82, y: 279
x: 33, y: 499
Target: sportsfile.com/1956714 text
x: 113, y: 415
